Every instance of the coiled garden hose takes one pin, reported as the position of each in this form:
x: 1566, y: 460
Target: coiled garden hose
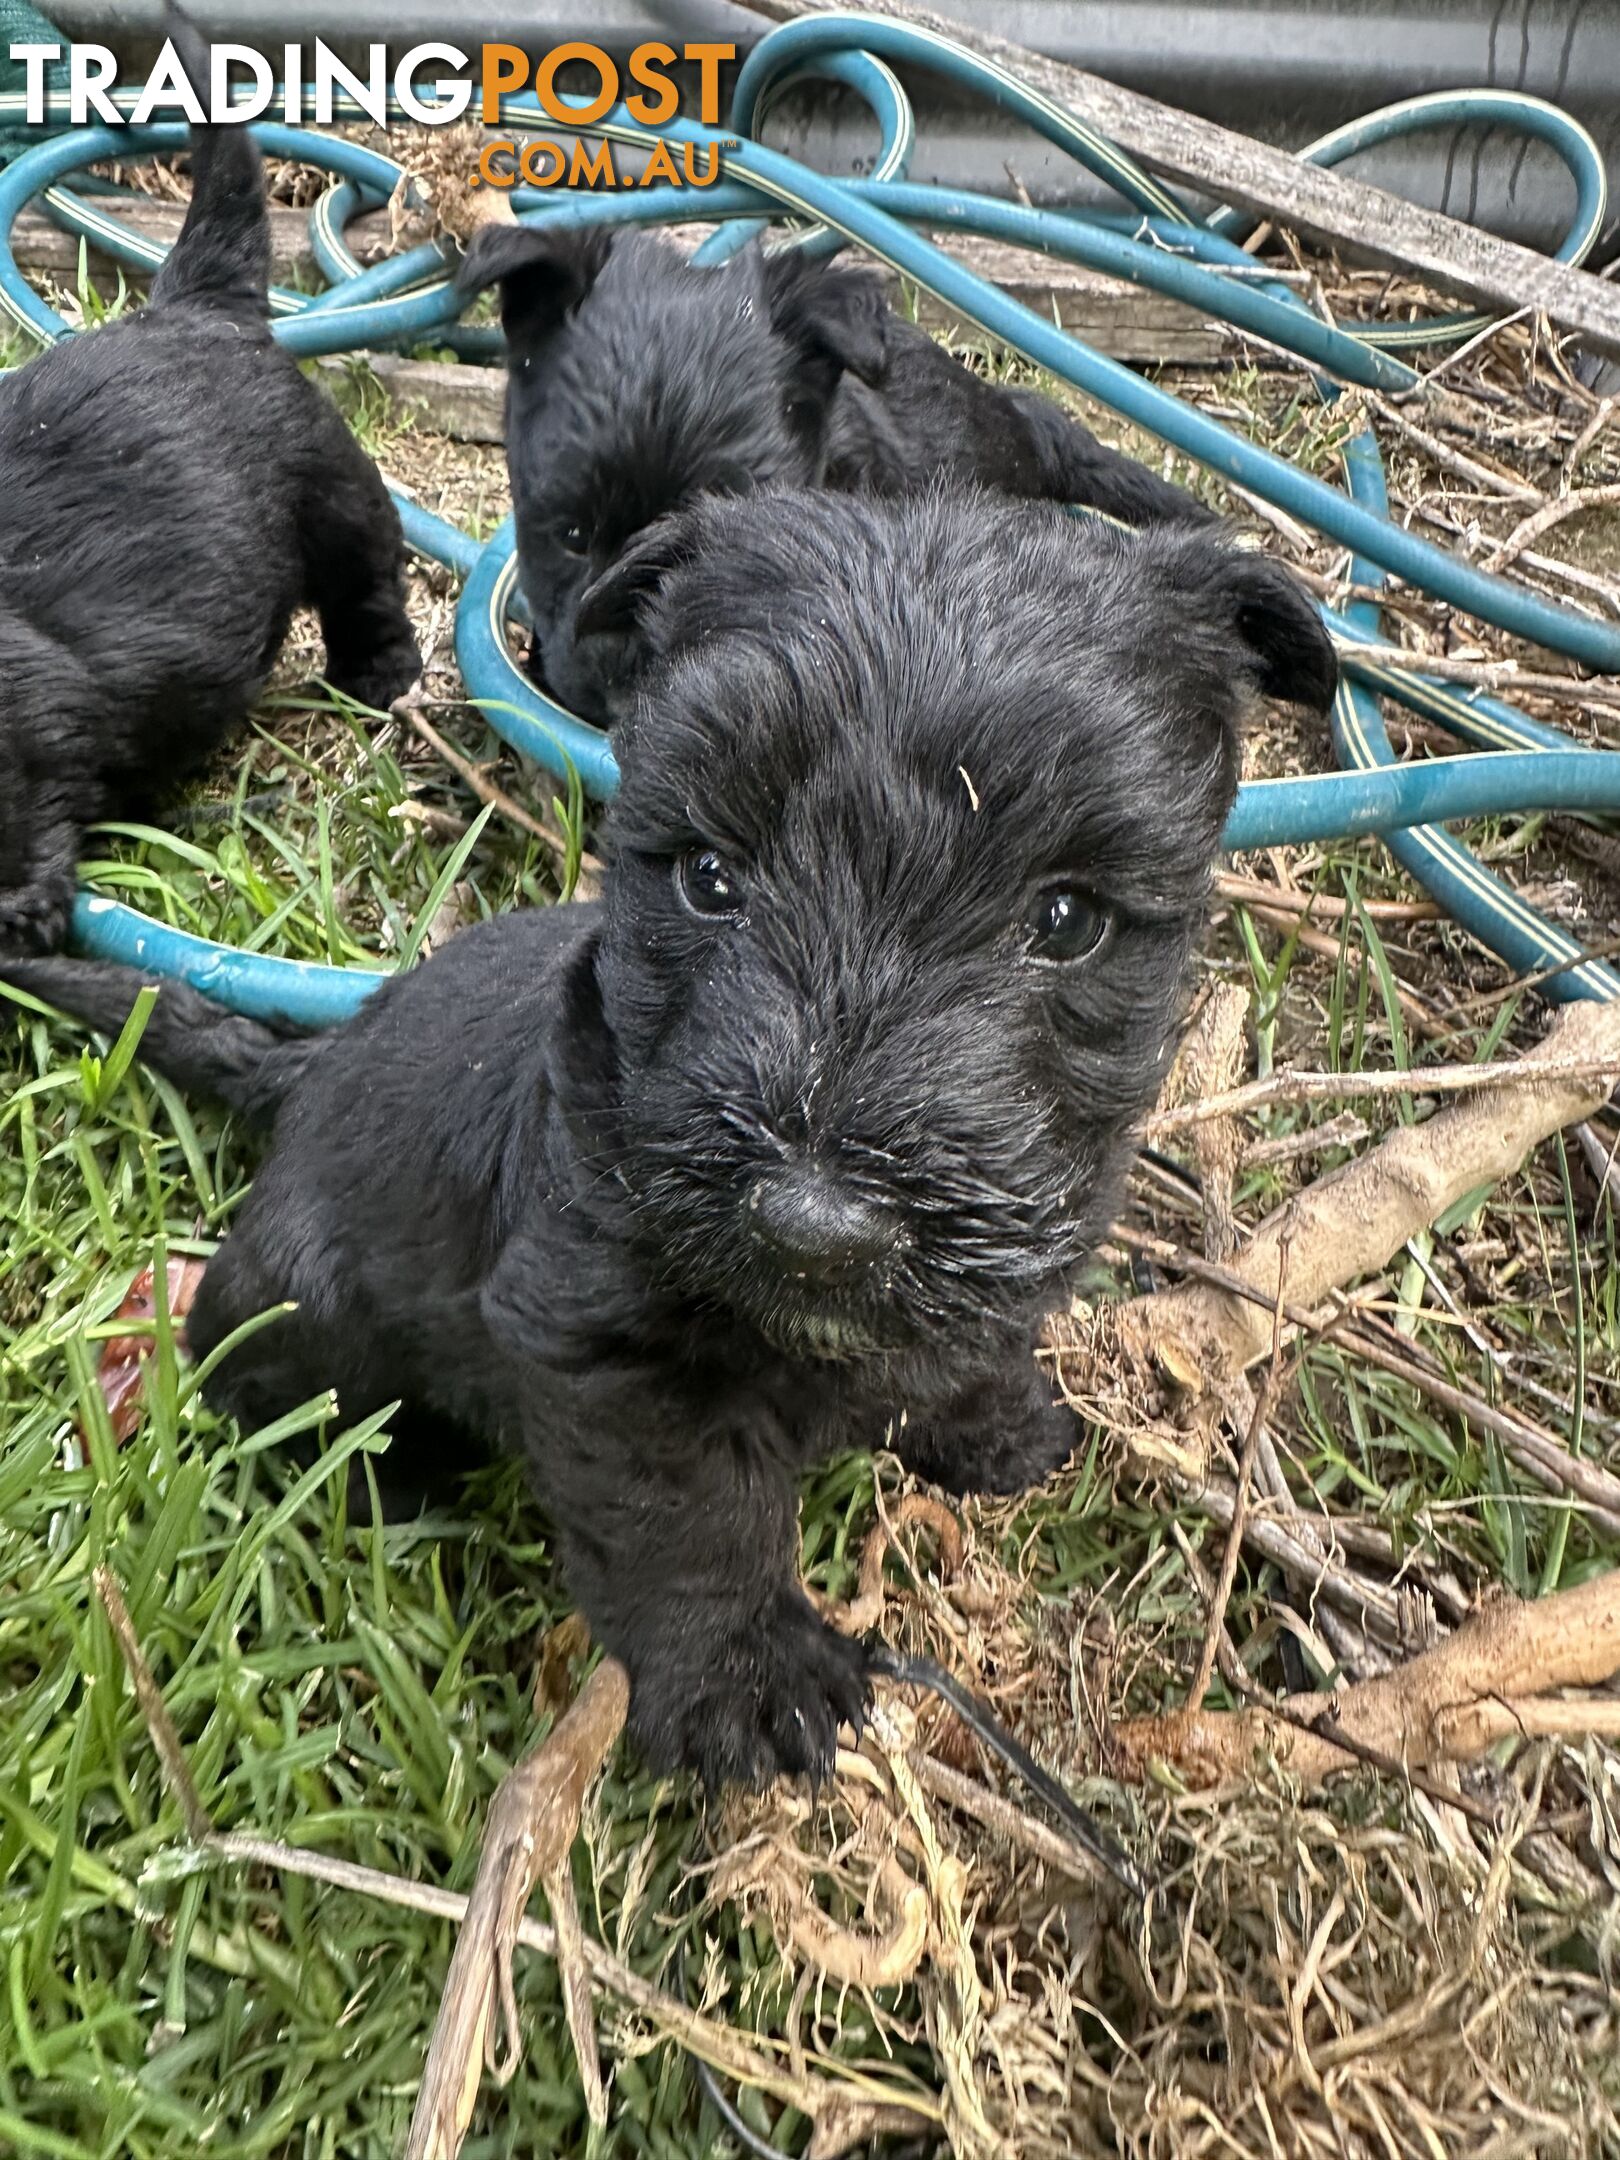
x: 1519, y: 765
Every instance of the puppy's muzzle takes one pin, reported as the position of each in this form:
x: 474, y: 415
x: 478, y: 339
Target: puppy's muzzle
x: 816, y: 1228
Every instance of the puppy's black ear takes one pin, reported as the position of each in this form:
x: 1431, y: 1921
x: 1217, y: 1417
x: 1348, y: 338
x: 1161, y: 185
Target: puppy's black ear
x: 1283, y: 628
x: 543, y: 273
x: 619, y: 598
x: 834, y: 319
x: 1281, y: 637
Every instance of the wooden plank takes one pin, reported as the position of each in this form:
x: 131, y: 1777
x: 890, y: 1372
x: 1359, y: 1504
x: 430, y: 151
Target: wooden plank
x: 1328, y: 207
x: 38, y: 244
x: 1143, y: 329
x: 447, y: 397
x: 1127, y: 322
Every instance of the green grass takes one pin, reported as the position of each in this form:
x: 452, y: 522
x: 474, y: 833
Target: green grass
x: 373, y: 417
x: 360, y: 1692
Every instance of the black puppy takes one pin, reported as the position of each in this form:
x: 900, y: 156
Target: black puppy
x: 171, y: 488
x: 789, y: 1143
x: 637, y: 383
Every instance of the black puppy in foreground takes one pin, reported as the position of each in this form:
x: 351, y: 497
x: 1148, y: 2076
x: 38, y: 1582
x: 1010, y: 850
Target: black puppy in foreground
x: 637, y: 383
x: 790, y: 1142
x: 171, y: 488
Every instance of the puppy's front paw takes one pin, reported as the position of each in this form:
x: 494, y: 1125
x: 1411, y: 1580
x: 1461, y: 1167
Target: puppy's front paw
x: 763, y: 1700
x: 34, y: 918
x: 991, y: 1454
x: 377, y: 677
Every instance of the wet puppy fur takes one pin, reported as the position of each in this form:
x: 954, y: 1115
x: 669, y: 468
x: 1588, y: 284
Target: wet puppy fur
x: 788, y: 1144
x: 637, y: 383
x: 171, y: 488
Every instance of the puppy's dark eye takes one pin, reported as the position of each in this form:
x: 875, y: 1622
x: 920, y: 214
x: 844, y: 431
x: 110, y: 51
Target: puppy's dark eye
x: 573, y: 540
x: 707, y: 883
x: 1066, y: 924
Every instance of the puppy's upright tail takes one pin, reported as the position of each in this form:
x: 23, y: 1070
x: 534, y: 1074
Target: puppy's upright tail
x: 188, y: 1038
x: 222, y: 257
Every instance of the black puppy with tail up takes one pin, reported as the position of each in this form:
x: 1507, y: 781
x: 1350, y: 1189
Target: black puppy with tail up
x: 171, y: 488
x: 791, y: 1141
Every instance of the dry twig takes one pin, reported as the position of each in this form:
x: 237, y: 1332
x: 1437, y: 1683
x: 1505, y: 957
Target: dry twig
x: 1493, y: 1678
x: 532, y: 1823
x: 1290, y: 1086
x: 1284, y: 899
x: 1222, y: 1591
x: 1453, y: 461
x: 1602, y: 414
x: 1352, y: 1222
x: 1550, y: 514
x: 1208, y: 1062
x: 546, y: 831
x: 716, y: 2044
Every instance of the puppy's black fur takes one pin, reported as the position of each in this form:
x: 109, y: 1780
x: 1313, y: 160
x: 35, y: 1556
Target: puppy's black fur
x: 637, y: 383
x: 788, y: 1143
x: 171, y: 488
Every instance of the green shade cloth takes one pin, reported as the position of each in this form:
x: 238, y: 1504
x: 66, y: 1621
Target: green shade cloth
x: 21, y: 24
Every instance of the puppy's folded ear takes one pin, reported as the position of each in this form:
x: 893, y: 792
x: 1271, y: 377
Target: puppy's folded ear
x: 543, y: 273
x: 1277, y: 620
x: 1282, y: 643
x: 619, y: 599
x: 834, y: 318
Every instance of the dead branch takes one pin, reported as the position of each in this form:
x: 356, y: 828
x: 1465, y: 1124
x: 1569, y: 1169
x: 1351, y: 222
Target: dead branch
x: 716, y: 2044
x: 1299, y: 1546
x: 1494, y: 1677
x: 1601, y: 416
x: 1207, y: 1064
x: 995, y: 1812
x: 1421, y: 1018
x: 1451, y: 460
x: 1550, y: 514
x: 532, y: 1824
x: 1535, y: 1449
x: 1352, y: 1222
x: 1481, y: 674
x: 1095, y: 1353
x: 154, y: 1710
x: 1290, y: 1086
x: 843, y: 2122
x: 1287, y: 900
x: 480, y: 783
x: 820, y: 2098
x: 1221, y: 1594
x: 953, y: 1996
x: 1345, y: 1130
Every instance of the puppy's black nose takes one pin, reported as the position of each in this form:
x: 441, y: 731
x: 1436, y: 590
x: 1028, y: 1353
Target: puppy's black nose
x: 816, y: 1227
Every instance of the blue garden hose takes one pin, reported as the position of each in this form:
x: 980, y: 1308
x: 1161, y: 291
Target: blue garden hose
x: 1524, y: 765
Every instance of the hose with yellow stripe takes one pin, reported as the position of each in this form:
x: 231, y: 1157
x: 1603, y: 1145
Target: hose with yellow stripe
x: 1524, y: 766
